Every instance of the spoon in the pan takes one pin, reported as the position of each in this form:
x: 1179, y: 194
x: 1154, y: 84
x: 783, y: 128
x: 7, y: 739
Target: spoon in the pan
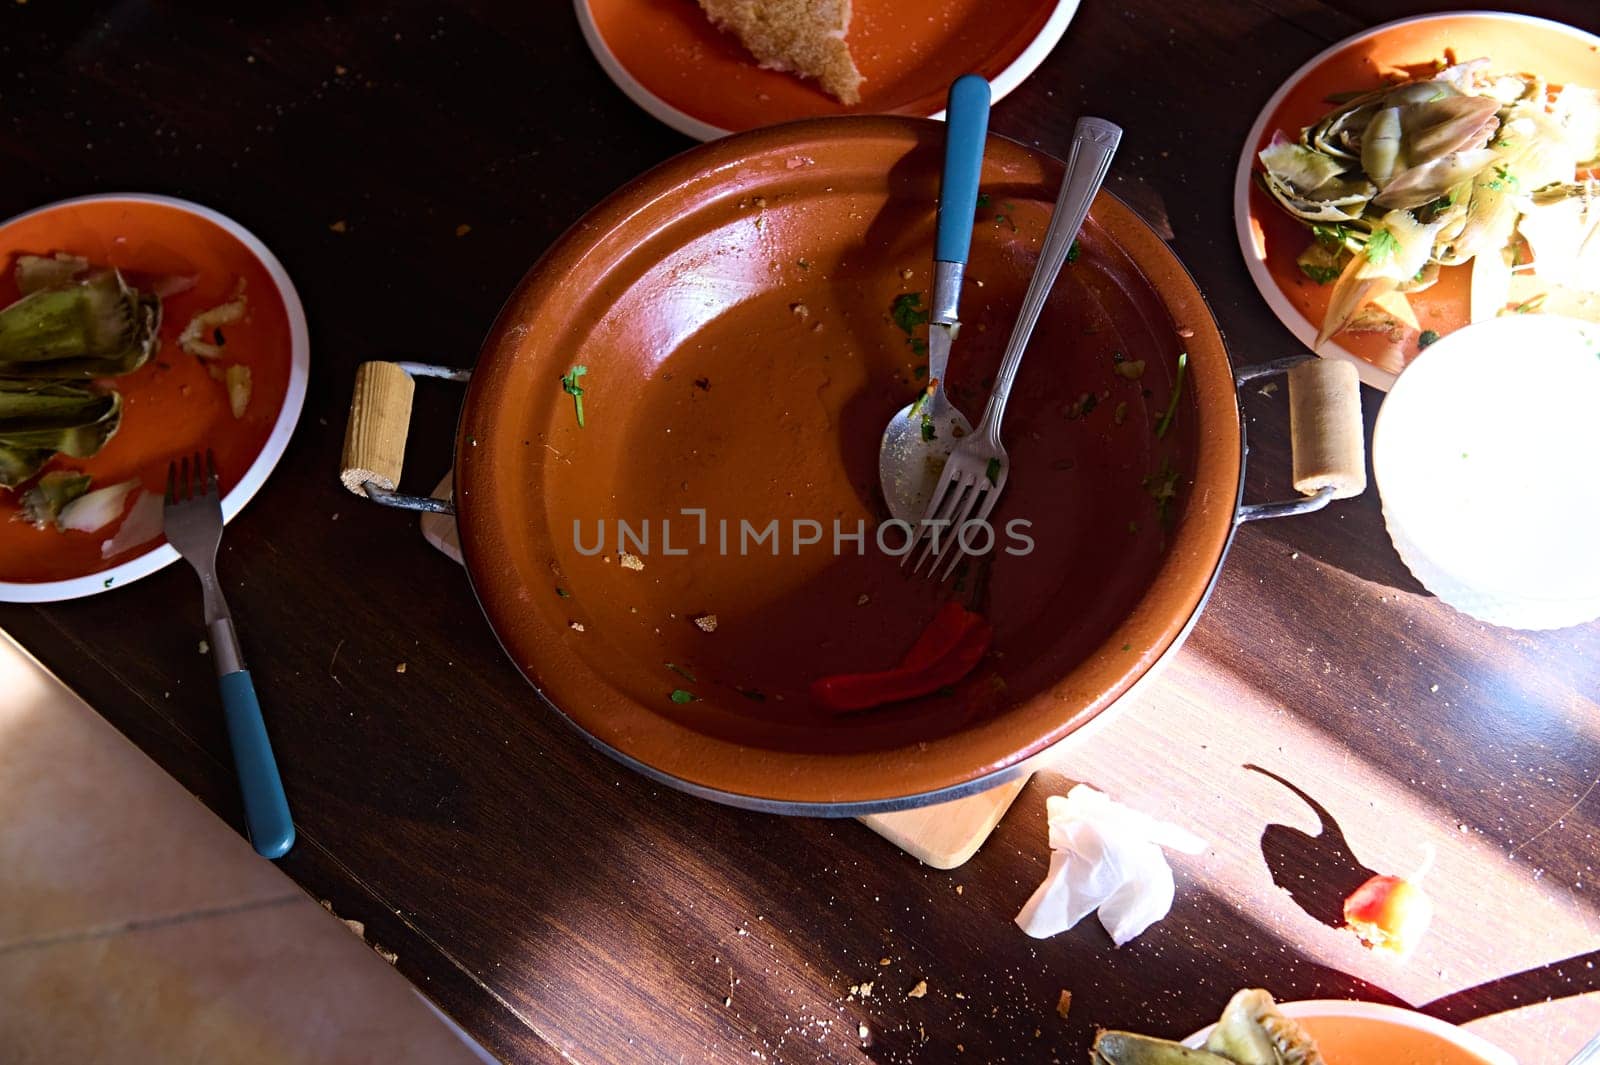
x: 920, y: 436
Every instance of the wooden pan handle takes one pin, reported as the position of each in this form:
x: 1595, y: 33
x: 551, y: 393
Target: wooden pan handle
x: 1325, y: 428
x: 375, y: 435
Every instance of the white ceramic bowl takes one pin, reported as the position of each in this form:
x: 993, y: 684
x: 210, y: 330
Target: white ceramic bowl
x: 267, y: 458
x: 1485, y: 457
x: 1400, y: 1018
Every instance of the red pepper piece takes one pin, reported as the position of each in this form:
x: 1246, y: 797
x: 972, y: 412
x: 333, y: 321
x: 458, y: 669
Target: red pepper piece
x: 1389, y: 913
x: 949, y: 625
x: 932, y: 663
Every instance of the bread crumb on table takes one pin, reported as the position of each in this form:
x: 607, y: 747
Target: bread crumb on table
x: 920, y: 991
x: 706, y: 622
x: 1064, y: 1004
x: 631, y: 561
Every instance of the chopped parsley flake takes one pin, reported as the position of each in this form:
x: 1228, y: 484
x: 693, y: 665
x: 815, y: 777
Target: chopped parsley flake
x: 1381, y: 247
x: 1074, y: 251
x: 927, y: 427
x: 1177, y: 390
x: 907, y: 311
x: 680, y: 671
x: 1428, y: 337
x: 681, y: 696
x: 1163, y: 488
x: 1332, y: 237
x: 1322, y: 275
x: 569, y: 385
x: 919, y: 347
x: 992, y: 471
x: 983, y: 199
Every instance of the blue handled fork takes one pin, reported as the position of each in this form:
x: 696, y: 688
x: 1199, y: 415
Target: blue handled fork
x: 193, y: 520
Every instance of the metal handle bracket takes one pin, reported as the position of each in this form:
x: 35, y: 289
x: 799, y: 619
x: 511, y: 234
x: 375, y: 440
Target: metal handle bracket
x: 375, y: 436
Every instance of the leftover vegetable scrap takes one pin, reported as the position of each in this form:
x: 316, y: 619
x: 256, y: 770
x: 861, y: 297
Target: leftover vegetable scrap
x: 72, y: 325
x: 208, y: 324
x: 1252, y: 1031
x: 1389, y: 913
x: 1468, y: 165
x: 569, y: 385
x: 1177, y: 390
x: 948, y: 649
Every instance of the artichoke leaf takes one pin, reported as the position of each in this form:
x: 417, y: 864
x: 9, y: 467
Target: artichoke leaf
x: 1418, y: 186
x: 28, y: 406
x: 1564, y: 234
x: 1126, y: 1048
x: 36, y: 273
x: 99, y: 327
x: 1342, y: 209
x: 1438, y: 128
x: 1321, y: 263
x: 1253, y: 1031
x: 52, y: 418
x: 1299, y: 167
x: 42, y: 504
x: 18, y: 464
x: 1380, y: 147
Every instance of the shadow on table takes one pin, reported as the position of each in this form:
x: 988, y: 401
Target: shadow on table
x: 1317, y: 871
x: 1579, y: 974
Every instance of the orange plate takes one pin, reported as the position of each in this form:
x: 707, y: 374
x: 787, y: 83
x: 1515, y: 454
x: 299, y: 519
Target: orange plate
x: 907, y: 52
x: 1272, y: 239
x: 171, y: 405
x: 732, y: 308
x: 1367, y: 1033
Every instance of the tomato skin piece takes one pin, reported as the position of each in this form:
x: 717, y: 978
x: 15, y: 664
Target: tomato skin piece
x: 1389, y: 913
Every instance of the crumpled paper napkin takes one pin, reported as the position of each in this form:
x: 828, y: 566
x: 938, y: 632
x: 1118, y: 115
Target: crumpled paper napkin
x: 1107, y: 857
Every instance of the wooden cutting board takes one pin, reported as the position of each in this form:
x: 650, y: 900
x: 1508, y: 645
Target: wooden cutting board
x: 943, y: 836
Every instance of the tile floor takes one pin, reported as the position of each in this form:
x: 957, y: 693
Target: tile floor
x: 137, y: 927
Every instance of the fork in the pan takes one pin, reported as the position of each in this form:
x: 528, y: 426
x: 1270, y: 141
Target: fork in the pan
x: 976, y: 471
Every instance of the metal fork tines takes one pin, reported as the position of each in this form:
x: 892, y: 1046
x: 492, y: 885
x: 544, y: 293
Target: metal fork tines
x: 968, y: 490
x: 193, y: 519
x: 975, y: 474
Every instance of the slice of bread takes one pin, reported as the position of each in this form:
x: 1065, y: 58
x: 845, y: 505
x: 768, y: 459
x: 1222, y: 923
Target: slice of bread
x: 805, y: 37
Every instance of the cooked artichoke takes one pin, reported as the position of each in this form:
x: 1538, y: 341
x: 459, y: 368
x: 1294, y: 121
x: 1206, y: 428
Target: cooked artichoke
x: 42, y: 504
x: 98, y: 327
x: 1467, y: 155
x: 18, y: 464
x: 1252, y: 1031
x: 49, y: 416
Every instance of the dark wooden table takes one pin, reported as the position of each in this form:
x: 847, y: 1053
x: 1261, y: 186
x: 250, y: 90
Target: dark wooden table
x: 557, y: 904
